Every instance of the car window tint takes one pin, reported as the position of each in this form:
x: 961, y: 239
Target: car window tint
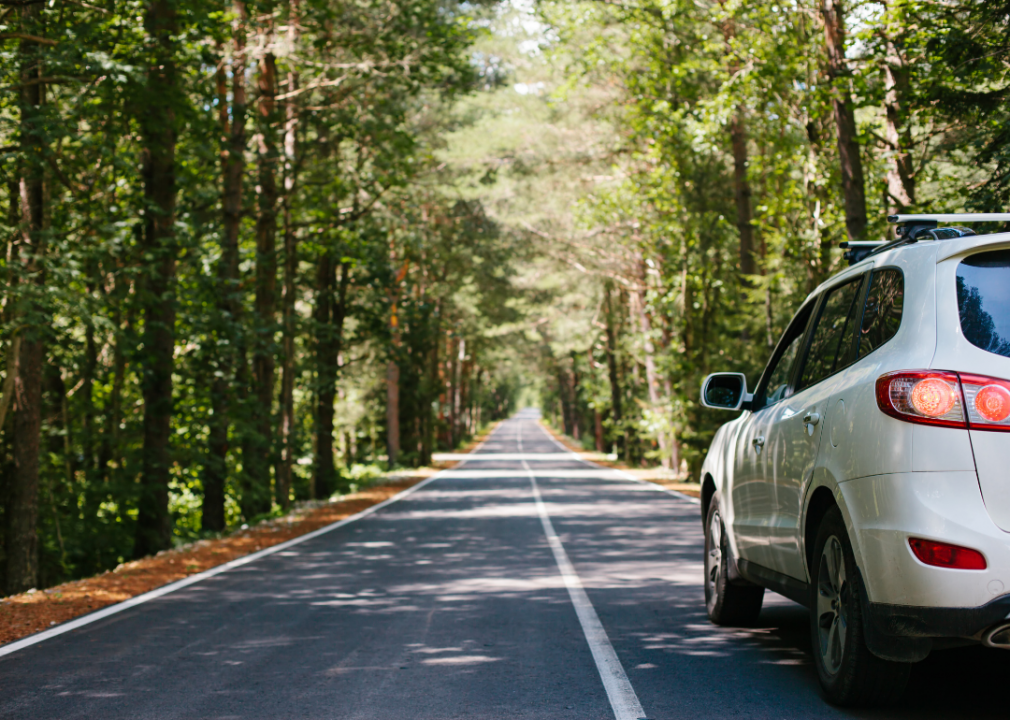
x: 778, y: 381
x: 831, y: 344
x: 983, y: 300
x: 882, y: 312
x: 780, y: 370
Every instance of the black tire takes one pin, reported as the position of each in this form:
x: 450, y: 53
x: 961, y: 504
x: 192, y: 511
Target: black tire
x: 850, y: 675
x: 728, y: 603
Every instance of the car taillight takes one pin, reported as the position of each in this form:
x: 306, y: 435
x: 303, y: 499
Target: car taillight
x: 988, y: 402
x: 922, y: 396
x: 946, y: 555
x: 944, y: 398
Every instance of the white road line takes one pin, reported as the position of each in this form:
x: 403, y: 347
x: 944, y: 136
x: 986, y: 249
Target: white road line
x: 192, y: 579
x: 623, y: 699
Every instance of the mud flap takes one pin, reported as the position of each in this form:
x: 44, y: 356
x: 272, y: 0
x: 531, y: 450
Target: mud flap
x: 884, y: 645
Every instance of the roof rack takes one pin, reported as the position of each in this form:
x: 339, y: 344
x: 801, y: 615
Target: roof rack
x: 916, y: 227
x: 913, y: 227
x: 950, y: 218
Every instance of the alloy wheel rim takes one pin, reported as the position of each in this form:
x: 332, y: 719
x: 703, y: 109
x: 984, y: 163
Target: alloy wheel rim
x: 832, y: 596
x: 713, y: 560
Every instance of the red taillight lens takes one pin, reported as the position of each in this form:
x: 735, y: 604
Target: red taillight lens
x: 987, y: 401
x: 993, y: 403
x: 922, y: 396
x: 933, y: 397
x: 946, y: 555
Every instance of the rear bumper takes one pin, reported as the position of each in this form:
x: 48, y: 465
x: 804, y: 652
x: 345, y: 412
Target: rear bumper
x: 937, y: 622
x: 907, y: 634
x: 909, y: 607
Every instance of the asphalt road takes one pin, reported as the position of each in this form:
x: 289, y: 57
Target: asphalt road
x: 451, y: 603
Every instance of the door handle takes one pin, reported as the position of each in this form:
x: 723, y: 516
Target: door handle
x: 758, y: 442
x: 809, y: 420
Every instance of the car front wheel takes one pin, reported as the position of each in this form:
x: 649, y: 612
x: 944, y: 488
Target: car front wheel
x: 849, y: 673
x: 727, y: 603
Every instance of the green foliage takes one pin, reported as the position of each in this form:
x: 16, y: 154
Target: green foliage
x: 363, y: 91
x: 526, y: 202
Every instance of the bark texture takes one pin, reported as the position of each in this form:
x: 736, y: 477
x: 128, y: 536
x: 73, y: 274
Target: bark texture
x: 742, y: 194
x: 897, y: 131
x: 330, y: 311
x: 287, y: 397
x: 392, y: 412
x: 612, y: 370
x: 21, y: 539
x: 157, y: 122
x: 853, y: 185
x: 256, y: 495
x: 229, y: 351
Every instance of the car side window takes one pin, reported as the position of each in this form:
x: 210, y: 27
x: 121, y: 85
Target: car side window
x: 779, y: 371
x: 778, y: 381
x: 882, y: 312
x: 832, y: 345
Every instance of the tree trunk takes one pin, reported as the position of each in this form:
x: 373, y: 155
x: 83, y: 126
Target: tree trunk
x: 454, y: 362
x: 287, y: 399
x: 853, y: 186
x: 900, y: 173
x: 326, y: 377
x: 7, y: 391
x: 615, y: 383
x: 742, y: 193
x: 22, y: 493
x: 573, y: 396
x: 87, y: 391
x: 428, y: 439
x: 110, y: 449
x: 738, y: 145
x: 329, y: 316
x: 651, y: 377
x: 157, y: 123
x: 230, y: 356
x: 392, y: 412
x: 21, y: 514
x: 258, y: 460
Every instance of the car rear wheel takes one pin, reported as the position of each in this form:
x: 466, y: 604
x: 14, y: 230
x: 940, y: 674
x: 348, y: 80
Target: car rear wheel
x: 728, y: 603
x: 849, y: 673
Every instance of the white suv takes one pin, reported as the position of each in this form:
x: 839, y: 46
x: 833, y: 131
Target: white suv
x: 868, y: 477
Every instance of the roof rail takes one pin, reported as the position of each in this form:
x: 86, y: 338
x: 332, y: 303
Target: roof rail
x: 915, y: 227
x: 949, y: 218
x: 857, y: 250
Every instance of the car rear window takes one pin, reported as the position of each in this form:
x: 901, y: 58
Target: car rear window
x: 983, y: 300
x: 882, y: 312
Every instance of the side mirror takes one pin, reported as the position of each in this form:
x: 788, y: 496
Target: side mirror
x: 725, y: 391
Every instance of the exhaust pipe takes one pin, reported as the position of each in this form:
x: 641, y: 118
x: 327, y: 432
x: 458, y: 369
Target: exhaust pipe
x: 998, y: 637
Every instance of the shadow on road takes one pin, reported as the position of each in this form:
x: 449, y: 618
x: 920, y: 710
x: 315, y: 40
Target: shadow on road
x: 967, y: 682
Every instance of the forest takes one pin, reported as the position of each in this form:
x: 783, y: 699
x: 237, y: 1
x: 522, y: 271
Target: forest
x: 257, y: 250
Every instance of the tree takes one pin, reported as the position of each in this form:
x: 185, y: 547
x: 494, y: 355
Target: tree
x: 30, y: 249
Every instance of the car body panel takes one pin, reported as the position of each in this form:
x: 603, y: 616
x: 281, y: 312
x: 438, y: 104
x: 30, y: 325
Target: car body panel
x: 752, y: 501
x: 991, y: 448
x: 791, y: 451
x: 885, y: 510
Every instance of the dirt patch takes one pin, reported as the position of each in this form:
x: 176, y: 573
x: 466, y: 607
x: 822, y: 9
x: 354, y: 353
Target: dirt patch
x: 657, y: 475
